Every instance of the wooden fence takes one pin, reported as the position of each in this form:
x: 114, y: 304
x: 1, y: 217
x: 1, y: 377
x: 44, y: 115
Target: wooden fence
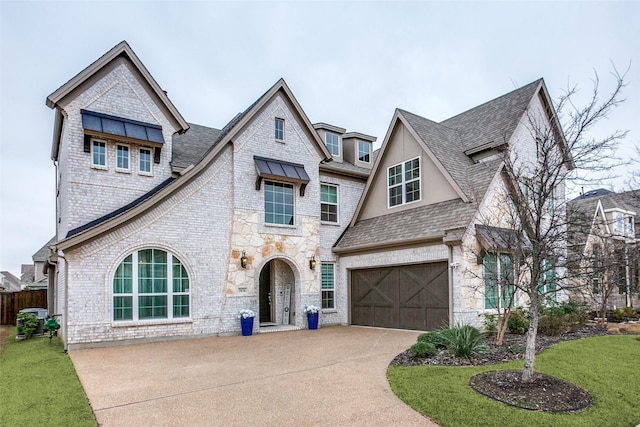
x: 12, y: 302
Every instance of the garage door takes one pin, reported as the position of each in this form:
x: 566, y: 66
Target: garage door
x: 404, y: 297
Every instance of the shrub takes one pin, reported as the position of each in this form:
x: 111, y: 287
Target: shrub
x: 464, y: 340
x: 560, y: 318
x: 518, y: 322
x: 422, y: 349
x: 27, y: 324
x: 434, y: 338
x: 618, y: 314
x: 490, y: 323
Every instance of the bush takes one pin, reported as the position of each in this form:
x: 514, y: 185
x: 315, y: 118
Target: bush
x: 560, y: 318
x: 490, y: 323
x: 434, y: 338
x: 518, y: 322
x: 464, y: 340
x: 27, y: 324
x: 422, y: 349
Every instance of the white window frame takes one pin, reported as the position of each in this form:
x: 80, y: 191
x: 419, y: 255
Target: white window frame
x: 326, y: 138
x: 95, y: 165
x: 404, y: 182
x: 279, y: 131
x: 150, y: 151
x: 333, y: 287
x: 618, y: 226
x: 293, y: 203
x: 630, y: 227
x: 128, y: 151
x: 363, y: 144
x: 135, y: 294
x: 336, y: 204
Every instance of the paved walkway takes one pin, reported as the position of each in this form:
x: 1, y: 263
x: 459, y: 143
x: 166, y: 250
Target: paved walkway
x: 334, y: 376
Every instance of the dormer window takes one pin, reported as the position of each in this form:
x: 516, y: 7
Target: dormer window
x: 630, y: 229
x: 618, y: 224
x: 364, y: 151
x: 331, y: 140
x: 279, y: 129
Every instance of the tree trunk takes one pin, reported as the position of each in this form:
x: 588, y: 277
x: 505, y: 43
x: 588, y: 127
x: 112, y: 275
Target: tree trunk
x: 530, y: 351
x: 503, y: 324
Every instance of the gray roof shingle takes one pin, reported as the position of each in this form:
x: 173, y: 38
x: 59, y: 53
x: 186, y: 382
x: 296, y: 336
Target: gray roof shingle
x: 192, y: 145
x: 493, y: 121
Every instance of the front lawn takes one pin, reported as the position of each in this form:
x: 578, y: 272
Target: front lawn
x: 39, y: 385
x: 607, y: 367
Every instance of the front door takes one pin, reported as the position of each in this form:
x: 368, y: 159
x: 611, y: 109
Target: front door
x: 266, y: 294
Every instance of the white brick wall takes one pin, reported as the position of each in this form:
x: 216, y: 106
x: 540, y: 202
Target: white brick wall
x: 87, y: 193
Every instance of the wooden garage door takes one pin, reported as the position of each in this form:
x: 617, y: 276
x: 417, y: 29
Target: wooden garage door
x: 404, y: 297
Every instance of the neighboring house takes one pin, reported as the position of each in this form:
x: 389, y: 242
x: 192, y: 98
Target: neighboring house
x: 35, y: 276
x: 9, y: 282
x: 168, y: 229
x: 27, y: 273
x: 605, y: 243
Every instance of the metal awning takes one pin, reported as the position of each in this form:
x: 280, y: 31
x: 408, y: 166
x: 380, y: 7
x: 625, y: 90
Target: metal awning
x: 280, y: 171
x: 101, y: 124
x: 497, y: 239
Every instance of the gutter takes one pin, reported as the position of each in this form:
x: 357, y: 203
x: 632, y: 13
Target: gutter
x: 385, y: 245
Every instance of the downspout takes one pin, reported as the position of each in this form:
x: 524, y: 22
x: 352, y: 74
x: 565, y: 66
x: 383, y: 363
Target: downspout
x: 451, y: 268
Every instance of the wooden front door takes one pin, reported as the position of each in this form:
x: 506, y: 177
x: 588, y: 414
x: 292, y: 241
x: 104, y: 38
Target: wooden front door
x: 405, y: 297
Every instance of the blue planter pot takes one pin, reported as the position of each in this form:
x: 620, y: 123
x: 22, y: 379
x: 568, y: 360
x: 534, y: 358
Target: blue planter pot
x: 247, y: 326
x: 312, y: 318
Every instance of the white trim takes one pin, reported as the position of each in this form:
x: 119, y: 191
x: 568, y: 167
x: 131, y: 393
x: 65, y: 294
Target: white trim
x: 275, y: 121
x: 106, y: 163
x: 337, y: 204
x: 333, y: 265
x: 140, y: 171
x: 128, y: 151
x: 368, y: 144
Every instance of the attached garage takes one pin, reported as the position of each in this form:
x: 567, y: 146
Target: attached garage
x: 404, y: 297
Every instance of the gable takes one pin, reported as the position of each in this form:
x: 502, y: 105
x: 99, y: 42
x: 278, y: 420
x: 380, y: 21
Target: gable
x: 403, y: 146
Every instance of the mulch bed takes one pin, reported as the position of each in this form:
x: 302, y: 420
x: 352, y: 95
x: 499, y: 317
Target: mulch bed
x: 544, y: 393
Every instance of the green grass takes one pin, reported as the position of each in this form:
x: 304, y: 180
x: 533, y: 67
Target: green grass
x: 608, y: 367
x: 39, y: 386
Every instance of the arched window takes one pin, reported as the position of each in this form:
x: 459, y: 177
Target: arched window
x: 150, y: 284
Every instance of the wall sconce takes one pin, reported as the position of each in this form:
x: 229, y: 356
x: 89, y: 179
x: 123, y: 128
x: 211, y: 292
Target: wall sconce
x: 243, y: 260
x: 312, y: 262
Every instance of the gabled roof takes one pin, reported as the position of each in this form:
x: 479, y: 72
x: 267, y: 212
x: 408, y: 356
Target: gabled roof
x: 192, y: 145
x: 166, y: 189
x: 488, y: 125
x: 43, y: 253
x: 495, y: 120
x: 122, y: 49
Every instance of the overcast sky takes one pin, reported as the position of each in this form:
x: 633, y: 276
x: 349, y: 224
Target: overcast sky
x: 349, y: 64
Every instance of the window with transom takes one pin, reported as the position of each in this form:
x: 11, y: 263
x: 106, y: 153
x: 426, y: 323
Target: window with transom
x: 329, y: 203
x: 150, y: 284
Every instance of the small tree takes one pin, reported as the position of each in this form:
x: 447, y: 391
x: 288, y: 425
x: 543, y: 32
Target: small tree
x: 533, y: 182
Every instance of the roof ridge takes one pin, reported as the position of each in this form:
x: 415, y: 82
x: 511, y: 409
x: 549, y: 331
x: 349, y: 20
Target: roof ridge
x: 533, y: 83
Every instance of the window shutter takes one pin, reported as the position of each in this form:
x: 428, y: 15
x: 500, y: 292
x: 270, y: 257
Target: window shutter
x: 87, y: 143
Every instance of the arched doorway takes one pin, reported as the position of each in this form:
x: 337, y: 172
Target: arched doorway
x: 276, y: 289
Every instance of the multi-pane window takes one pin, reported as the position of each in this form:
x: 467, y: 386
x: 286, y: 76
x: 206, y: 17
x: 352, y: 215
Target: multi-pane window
x: 327, y: 271
x: 122, y: 157
x: 99, y: 153
x: 364, y: 151
x: 547, y: 280
x: 498, y: 281
x: 618, y: 224
x: 278, y: 203
x: 328, y: 203
x: 145, y: 161
x: 404, y: 182
x: 279, y: 127
x: 150, y: 284
x: 332, y: 143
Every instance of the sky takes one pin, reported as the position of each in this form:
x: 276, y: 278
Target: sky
x: 348, y: 63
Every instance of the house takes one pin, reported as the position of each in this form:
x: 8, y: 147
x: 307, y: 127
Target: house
x: 168, y: 229
x: 9, y: 282
x: 34, y: 276
x: 605, y: 244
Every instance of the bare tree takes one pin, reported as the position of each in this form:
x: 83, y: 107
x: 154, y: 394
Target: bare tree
x: 565, y: 150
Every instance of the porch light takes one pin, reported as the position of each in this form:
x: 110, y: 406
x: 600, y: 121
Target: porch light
x: 312, y: 262
x: 243, y: 260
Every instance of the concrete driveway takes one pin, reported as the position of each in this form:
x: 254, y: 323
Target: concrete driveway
x: 330, y: 376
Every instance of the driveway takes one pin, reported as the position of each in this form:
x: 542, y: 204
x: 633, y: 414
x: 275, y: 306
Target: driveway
x: 330, y: 376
